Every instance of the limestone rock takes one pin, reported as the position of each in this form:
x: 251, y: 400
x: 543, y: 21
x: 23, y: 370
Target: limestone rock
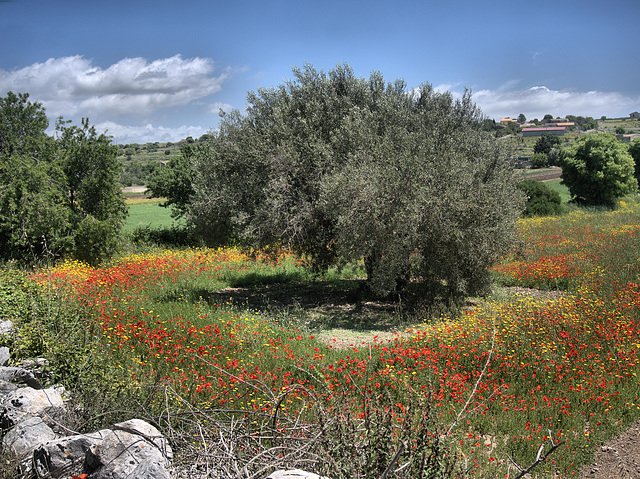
x: 119, y: 454
x: 148, y: 432
x: 5, y: 356
x: 65, y: 456
x: 23, y: 402
x: 148, y: 469
x: 27, y: 435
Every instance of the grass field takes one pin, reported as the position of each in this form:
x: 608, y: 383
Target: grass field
x: 147, y: 212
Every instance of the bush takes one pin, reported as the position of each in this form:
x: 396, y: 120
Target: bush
x: 598, y: 170
x: 539, y: 160
x: 542, y: 200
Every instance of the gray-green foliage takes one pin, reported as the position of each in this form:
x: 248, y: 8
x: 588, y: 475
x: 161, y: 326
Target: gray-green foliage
x: 57, y: 196
x: 338, y: 168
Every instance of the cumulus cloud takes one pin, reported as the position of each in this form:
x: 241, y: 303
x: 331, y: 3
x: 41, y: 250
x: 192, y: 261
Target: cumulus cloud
x: 73, y: 85
x: 537, y: 101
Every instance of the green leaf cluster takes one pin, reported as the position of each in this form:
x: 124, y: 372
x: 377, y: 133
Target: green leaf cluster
x: 541, y: 200
x: 340, y: 168
x: 598, y: 170
x: 57, y: 196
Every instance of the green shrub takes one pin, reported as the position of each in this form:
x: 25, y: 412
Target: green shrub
x: 542, y: 200
x: 539, y: 160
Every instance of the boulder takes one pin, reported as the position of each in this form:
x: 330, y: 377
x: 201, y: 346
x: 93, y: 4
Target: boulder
x: 65, y: 456
x: 6, y: 327
x: 119, y: 454
x: 23, y: 402
x: 148, y: 469
x: 5, y: 356
x: 27, y: 435
x: 20, y: 375
x: 147, y: 431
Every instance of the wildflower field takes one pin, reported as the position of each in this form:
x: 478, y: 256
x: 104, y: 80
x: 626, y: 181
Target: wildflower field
x: 498, y: 381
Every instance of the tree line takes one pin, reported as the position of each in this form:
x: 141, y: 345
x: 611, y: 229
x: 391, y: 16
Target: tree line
x: 59, y: 196
x: 334, y: 167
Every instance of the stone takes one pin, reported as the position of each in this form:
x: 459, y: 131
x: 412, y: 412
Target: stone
x: 27, y: 435
x: 6, y: 327
x: 147, y: 431
x: 23, y: 402
x: 19, y: 375
x: 5, y: 356
x: 148, y: 469
x: 118, y: 455
x: 65, y: 456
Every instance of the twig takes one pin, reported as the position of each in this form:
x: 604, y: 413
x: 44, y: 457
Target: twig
x: 462, y: 414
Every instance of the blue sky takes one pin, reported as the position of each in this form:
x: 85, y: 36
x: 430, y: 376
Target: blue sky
x: 160, y: 71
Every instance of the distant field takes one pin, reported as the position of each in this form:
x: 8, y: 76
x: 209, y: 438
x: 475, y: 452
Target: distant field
x: 560, y: 188
x: 147, y: 211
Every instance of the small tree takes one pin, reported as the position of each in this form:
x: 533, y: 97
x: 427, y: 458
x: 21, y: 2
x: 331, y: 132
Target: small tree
x: 598, y: 170
x: 94, y: 194
x: 173, y: 181
x: 546, y: 143
x: 539, y: 160
x: 541, y: 200
x: 521, y: 118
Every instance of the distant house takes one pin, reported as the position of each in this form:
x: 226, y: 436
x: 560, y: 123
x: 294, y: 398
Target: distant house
x: 554, y: 130
x: 507, y: 121
x: 635, y: 114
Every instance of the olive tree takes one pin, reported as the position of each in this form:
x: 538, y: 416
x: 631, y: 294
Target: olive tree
x: 340, y: 168
x: 598, y: 170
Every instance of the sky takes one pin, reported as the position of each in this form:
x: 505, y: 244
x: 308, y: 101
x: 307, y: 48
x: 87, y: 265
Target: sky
x: 145, y: 71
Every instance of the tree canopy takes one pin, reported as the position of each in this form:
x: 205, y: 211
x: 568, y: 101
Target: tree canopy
x: 339, y: 168
x: 57, y: 197
x: 597, y: 169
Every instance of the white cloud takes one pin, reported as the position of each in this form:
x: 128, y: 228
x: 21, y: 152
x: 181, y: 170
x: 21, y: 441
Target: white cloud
x: 70, y: 86
x: 537, y: 101
x: 123, y: 134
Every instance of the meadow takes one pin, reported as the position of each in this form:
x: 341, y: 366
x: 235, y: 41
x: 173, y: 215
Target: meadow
x: 542, y: 371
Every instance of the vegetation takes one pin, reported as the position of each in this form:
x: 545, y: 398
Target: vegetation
x: 541, y: 200
x: 598, y: 170
x: 466, y: 393
x: 58, y: 197
x: 338, y: 168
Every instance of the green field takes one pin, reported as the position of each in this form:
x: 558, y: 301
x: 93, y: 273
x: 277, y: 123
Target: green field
x: 147, y: 212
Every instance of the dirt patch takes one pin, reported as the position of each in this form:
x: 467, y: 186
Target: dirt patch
x: 619, y: 458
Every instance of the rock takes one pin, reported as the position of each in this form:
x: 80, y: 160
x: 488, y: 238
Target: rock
x: 23, y: 402
x: 19, y: 375
x: 27, y: 435
x: 119, y: 454
x: 65, y: 456
x: 148, y: 469
x: 6, y: 327
x: 147, y: 431
x: 294, y: 474
x: 6, y: 387
x: 5, y: 356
